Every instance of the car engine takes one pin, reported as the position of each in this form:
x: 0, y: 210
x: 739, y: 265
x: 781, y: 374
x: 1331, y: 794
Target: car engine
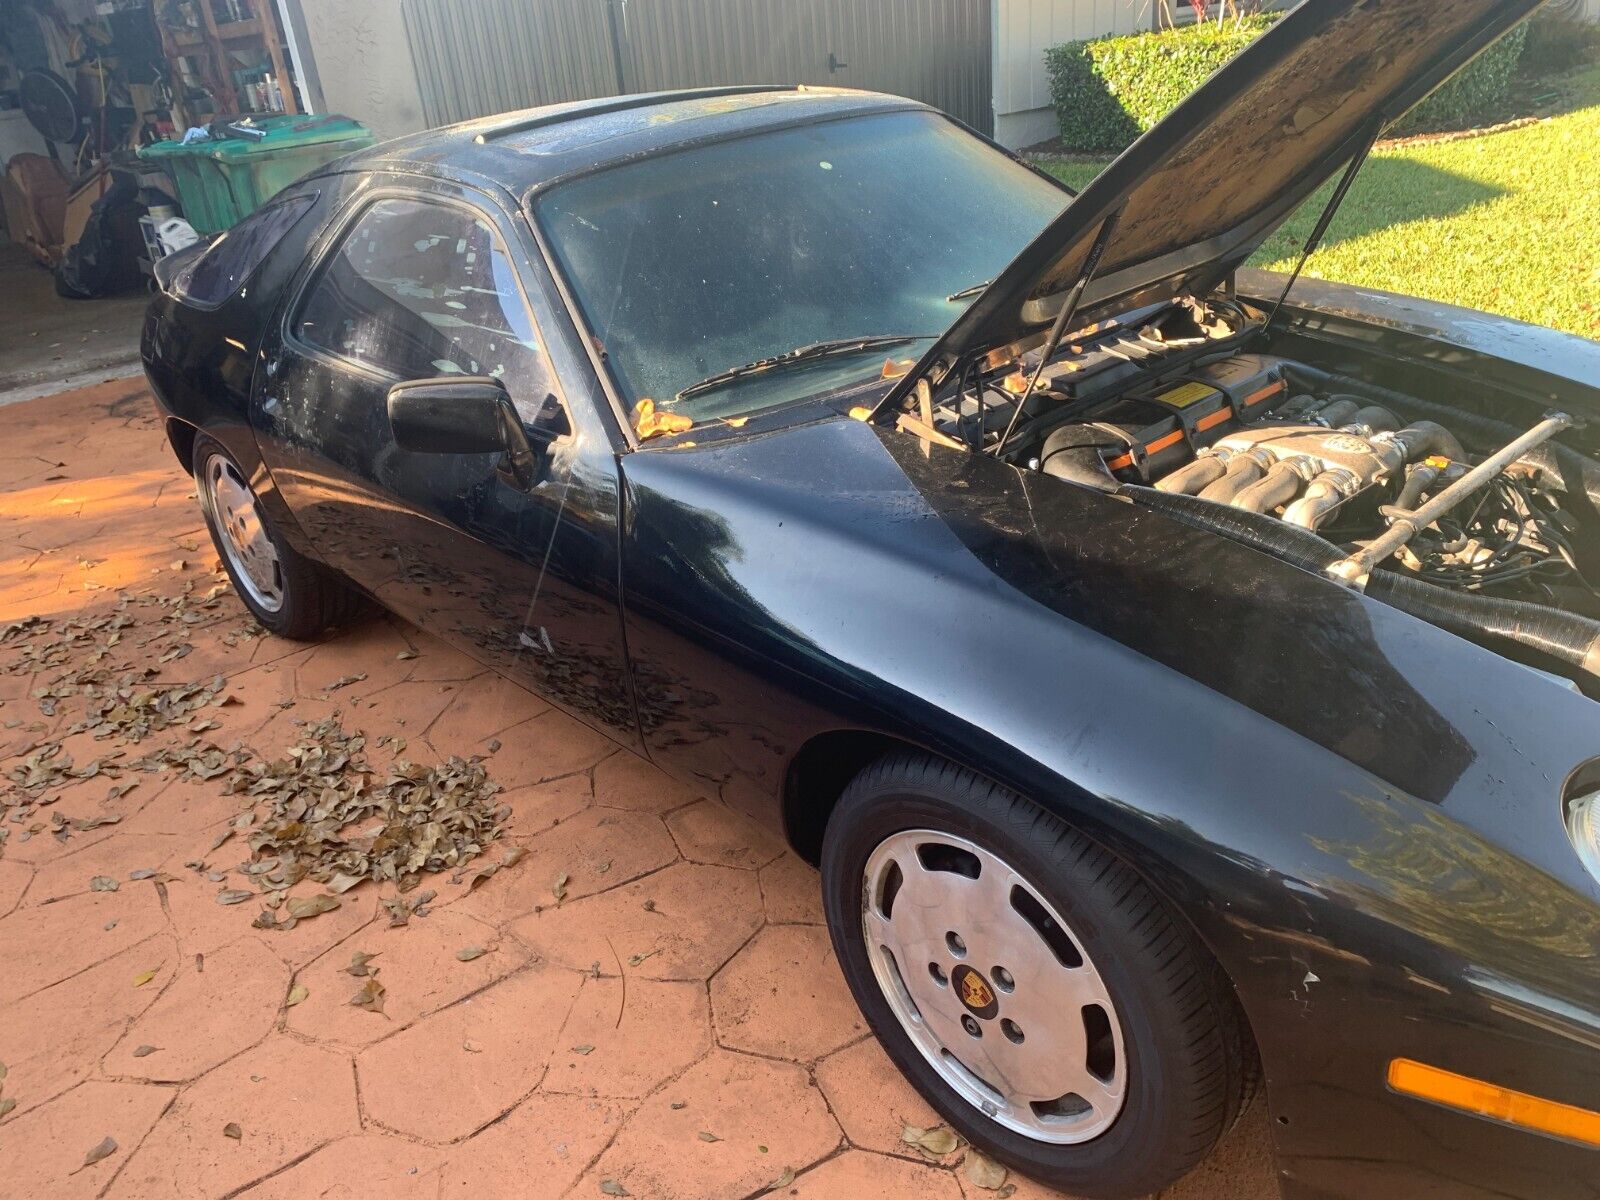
x: 1497, y: 539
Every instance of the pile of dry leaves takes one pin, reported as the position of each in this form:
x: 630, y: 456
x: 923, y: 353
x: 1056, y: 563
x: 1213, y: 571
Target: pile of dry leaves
x: 322, y: 813
x: 105, y: 660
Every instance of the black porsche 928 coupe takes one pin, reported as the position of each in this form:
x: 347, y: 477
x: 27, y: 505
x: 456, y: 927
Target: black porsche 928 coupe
x: 1184, y: 685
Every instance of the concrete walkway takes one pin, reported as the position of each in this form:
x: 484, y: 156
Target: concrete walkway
x: 643, y: 1001
x: 49, y: 344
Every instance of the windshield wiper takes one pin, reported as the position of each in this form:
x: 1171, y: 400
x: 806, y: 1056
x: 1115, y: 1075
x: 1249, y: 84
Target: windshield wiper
x: 968, y: 291
x: 806, y: 353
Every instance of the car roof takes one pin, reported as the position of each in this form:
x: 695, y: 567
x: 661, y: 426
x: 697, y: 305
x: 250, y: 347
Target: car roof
x: 521, y: 151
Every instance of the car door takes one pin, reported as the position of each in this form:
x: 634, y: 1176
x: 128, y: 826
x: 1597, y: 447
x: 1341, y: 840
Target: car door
x: 426, y: 280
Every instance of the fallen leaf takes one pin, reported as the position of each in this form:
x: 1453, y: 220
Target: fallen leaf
x: 494, y: 745
x: 583, y: 1049
x: 143, y: 1051
x: 471, y: 1047
x: 934, y: 1143
x: 103, y: 883
x: 297, y: 995
x: 677, y: 1104
x: 370, y: 997
x: 6, y: 1105
x: 468, y: 953
x: 304, y: 907
x: 559, y: 888
x: 233, y: 896
x: 478, y: 876
x: 707, y: 1136
x: 358, y: 964
x: 782, y: 1181
x: 610, y: 1187
x: 232, y: 1130
x: 982, y: 1171
x: 406, y: 654
x: 105, y: 1149
x: 143, y: 977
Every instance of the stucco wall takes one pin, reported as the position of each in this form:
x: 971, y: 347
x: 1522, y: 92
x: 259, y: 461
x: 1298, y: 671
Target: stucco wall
x: 363, y: 63
x: 1023, y: 29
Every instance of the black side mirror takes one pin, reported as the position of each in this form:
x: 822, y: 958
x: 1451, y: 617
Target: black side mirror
x: 461, y: 415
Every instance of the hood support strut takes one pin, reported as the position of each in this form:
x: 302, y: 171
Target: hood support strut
x: 1069, y: 309
x: 1320, y: 230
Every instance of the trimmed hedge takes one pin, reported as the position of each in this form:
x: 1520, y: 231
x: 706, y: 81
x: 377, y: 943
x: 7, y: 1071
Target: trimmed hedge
x: 1474, y: 92
x: 1557, y: 42
x: 1108, y: 91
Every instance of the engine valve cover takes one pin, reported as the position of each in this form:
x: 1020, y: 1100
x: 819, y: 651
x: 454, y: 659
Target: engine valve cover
x: 1369, y: 460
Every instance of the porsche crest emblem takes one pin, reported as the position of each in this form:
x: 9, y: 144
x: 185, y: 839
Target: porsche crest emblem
x: 973, y: 990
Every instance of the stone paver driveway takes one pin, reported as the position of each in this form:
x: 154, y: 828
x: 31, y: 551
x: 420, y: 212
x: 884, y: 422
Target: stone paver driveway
x: 671, y: 1026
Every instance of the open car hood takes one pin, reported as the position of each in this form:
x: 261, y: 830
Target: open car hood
x: 1199, y: 192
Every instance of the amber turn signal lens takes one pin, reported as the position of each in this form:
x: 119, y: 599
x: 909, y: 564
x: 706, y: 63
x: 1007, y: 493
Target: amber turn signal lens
x: 1497, y: 1103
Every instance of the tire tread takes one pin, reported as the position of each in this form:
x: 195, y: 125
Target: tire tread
x: 316, y: 598
x: 1222, y: 1076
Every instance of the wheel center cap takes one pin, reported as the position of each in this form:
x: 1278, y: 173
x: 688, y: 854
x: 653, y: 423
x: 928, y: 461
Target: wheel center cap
x: 974, y: 992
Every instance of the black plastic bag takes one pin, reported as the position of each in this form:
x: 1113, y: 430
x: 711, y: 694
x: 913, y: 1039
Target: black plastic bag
x: 104, y: 261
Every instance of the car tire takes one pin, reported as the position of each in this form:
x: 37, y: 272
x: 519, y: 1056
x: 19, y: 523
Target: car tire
x: 1170, y: 1035
x: 286, y: 592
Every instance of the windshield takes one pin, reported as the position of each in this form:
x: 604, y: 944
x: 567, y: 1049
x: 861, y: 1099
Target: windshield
x: 700, y: 260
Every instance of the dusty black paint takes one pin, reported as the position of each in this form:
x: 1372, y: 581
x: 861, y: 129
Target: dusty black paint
x: 1358, y: 812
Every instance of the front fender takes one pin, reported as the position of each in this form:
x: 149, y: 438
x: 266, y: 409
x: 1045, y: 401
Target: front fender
x: 1359, y: 814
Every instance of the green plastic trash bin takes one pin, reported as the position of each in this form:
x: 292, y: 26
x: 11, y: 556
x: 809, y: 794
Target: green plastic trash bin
x: 224, y: 180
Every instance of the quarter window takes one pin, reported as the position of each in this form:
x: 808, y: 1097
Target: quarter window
x: 224, y: 268
x: 418, y: 290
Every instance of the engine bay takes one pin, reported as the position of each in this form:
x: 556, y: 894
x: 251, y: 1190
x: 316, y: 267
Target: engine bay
x: 1485, y: 527
x: 1237, y: 433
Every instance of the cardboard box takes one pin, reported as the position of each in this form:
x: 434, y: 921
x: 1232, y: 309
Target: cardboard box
x: 79, y: 204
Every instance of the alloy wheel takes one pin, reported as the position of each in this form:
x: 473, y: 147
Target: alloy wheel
x: 993, y: 987
x: 244, y: 538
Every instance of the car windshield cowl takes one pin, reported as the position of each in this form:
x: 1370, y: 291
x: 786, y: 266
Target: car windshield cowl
x: 807, y: 353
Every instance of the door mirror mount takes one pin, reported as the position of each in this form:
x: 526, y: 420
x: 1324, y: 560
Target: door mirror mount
x: 463, y: 415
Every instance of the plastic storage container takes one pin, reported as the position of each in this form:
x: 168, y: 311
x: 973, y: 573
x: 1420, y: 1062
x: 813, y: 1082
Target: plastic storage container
x: 224, y: 180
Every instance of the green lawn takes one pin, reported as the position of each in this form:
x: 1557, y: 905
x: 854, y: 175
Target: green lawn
x: 1508, y: 222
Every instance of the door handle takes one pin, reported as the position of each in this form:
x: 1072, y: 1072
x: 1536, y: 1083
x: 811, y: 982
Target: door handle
x: 834, y: 64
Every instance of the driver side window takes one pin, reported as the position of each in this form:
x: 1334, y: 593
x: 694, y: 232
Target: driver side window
x: 418, y: 290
